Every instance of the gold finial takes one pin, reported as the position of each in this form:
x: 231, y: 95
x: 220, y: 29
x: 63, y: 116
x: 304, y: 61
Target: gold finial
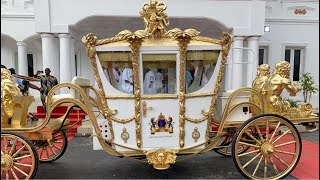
x: 154, y: 17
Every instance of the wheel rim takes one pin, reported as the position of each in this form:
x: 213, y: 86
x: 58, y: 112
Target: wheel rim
x: 52, y: 150
x: 271, y: 155
x: 17, y: 158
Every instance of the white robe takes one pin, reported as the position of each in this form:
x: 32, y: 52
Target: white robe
x: 159, y: 79
x: 149, y: 83
x: 126, y: 75
x: 116, y: 75
x: 105, y: 72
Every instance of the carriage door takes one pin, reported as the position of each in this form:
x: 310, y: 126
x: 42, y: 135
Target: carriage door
x: 159, y: 100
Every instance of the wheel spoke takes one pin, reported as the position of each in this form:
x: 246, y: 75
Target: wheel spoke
x: 285, y: 152
x: 267, y: 130
x: 53, y: 152
x: 275, y: 130
x: 280, y: 160
x: 13, y: 147
x: 283, y: 144
x: 227, y: 149
x: 17, y: 152
x: 265, y: 167
x: 274, y: 166
x: 22, y: 164
x: 255, y: 170
x: 57, y: 147
x: 253, y: 138
x: 7, y: 175
x: 247, y: 144
x: 259, y: 133
x: 243, y: 154
x: 281, y: 136
x: 14, y: 174
x: 41, y: 153
x: 22, y: 157
x: 251, y: 160
x: 47, y: 152
x: 22, y: 172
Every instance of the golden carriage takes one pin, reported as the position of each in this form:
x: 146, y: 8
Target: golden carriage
x: 154, y: 111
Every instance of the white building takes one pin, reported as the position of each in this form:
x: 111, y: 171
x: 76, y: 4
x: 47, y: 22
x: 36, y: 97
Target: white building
x: 36, y: 34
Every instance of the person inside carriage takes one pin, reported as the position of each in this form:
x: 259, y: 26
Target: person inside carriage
x: 149, y: 82
x: 126, y: 80
x: 158, y: 81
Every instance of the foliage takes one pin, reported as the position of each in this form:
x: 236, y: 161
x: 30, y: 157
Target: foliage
x: 308, y: 86
x: 293, y: 103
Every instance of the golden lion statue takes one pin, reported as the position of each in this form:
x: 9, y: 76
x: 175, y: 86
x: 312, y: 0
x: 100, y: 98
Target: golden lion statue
x: 8, y: 89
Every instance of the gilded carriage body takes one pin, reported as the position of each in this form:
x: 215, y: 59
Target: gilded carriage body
x: 157, y: 89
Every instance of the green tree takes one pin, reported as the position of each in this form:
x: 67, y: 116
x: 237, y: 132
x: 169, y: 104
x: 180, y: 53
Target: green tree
x: 308, y: 86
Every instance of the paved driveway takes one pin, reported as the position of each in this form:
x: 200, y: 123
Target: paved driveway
x: 81, y: 162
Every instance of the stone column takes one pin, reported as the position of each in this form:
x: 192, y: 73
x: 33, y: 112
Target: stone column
x: 237, y: 62
x: 50, y: 54
x: 65, y: 58
x: 22, y: 58
x: 253, y: 58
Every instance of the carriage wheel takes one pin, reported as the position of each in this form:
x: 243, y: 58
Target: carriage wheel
x: 272, y: 154
x: 226, y: 142
x: 19, y: 158
x: 53, y: 150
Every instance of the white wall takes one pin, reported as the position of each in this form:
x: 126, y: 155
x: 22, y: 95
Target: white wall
x: 8, y: 48
x: 289, y: 28
x: 246, y: 17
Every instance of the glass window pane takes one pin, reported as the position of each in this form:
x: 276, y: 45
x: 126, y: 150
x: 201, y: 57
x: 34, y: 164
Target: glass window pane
x: 200, y: 67
x: 296, y: 68
x: 287, y: 55
x: 117, y: 68
x: 159, y: 74
x: 261, y: 54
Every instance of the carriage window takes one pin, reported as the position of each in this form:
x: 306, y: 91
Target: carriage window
x: 159, y: 73
x: 117, y: 68
x: 200, y: 67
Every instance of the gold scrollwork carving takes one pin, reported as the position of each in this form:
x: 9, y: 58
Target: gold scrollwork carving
x: 90, y: 41
x: 122, y: 121
x: 161, y: 158
x: 196, y: 120
x: 124, y: 135
x: 183, y: 38
x: 154, y: 17
x: 135, y: 43
x: 225, y: 42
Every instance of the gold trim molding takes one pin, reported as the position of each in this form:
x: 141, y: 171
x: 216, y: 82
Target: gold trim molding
x: 162, y: 158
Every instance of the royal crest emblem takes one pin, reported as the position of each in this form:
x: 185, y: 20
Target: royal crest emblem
x: 161, y: 124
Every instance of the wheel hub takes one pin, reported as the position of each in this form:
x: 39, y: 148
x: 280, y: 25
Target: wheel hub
x: 267, y: 149
x: 6, y: 162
